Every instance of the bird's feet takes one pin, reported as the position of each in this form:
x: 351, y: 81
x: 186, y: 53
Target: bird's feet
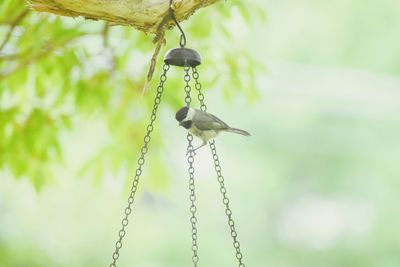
x: 191, y: 152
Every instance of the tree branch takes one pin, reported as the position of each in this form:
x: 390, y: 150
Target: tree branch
x: 144, y: 15
x: 12, y: 27
x: 45, y: 52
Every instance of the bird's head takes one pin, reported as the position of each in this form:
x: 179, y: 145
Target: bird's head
x: 184, y: 116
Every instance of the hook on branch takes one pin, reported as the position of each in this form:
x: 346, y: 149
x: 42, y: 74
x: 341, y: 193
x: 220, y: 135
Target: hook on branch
x: 182, y: 41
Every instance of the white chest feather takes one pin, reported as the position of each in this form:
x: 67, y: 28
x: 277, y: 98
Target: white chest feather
x: 205, y: 135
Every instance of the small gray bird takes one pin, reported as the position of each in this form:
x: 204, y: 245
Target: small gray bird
x: 203, y: 125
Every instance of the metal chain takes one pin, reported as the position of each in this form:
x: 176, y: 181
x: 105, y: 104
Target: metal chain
x: 225, y: 200
x: 190, y: 159
x: 200, y: 95
x: 221, y: 180
x: 186, y: 78
x: 141, y: 161
x: 192, y: 197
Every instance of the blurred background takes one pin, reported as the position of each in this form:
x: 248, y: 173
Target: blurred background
x: 316, y: 83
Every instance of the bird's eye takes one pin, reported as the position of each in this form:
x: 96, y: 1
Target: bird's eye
x: 186, y: 124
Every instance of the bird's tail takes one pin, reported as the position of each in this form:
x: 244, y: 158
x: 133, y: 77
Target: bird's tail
x: 238, y: 131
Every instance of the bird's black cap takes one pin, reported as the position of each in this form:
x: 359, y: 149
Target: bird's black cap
x: 181, y: 114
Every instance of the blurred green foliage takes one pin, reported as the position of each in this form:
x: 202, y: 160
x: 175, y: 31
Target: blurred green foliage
x: 315, y: 185
x: 359, y: 33
x: 55, y: 71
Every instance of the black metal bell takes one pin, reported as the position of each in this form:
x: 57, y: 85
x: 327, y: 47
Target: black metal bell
x: 183, y: 57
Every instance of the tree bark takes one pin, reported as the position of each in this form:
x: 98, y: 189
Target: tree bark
x: 150, y: 16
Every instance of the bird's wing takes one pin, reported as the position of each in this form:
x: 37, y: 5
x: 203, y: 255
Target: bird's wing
x: 207, y: 121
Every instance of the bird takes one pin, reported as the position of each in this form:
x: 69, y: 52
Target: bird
x: 204, y: 125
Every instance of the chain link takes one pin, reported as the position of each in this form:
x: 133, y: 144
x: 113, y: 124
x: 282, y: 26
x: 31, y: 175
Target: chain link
x: 225, y: 201
x: 221, y: 180
x: 192, y: 197
x: 190, y: 159
x: 141, y: 161
x: 197, y: 86
x: 187, y: 88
